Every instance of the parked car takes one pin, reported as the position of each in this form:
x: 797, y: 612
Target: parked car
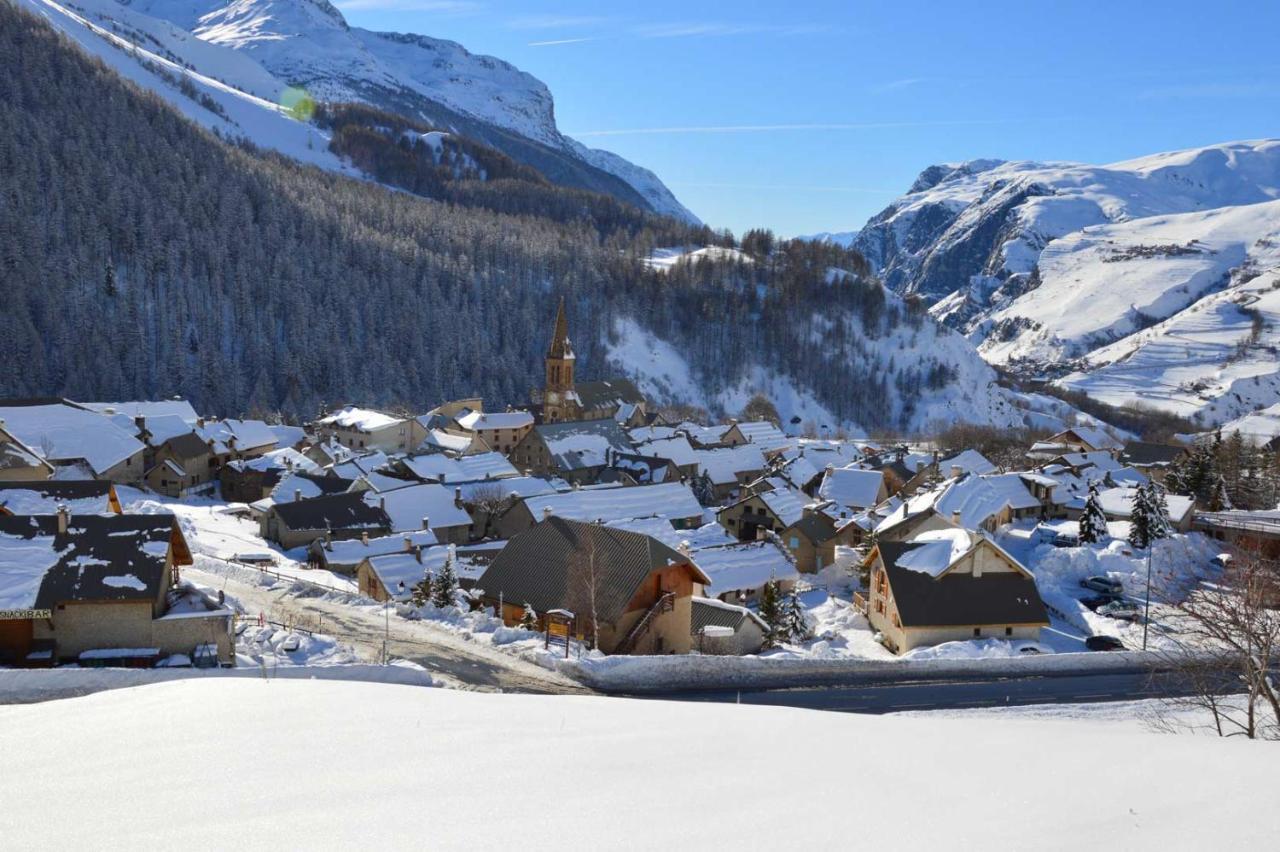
x: 1104, y: 585
x: 1103, y: 643
x: 1123, y: 610
x: 1031, y: 649
x: 1094, y: 601
x: 1066, y: 539
x: 1222, y: 560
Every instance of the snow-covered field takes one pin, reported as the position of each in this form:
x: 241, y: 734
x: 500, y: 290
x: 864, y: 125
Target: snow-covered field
x: 341, y: 765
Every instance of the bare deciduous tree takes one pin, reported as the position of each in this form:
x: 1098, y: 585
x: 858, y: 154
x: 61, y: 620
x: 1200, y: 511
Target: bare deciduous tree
x: 583, y: 588
x: 1224, y: 643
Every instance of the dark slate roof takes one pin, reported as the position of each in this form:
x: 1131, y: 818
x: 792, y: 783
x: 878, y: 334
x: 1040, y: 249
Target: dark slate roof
x: 188, y: 446
x: 568, y: 453
x: 535, y: 565
x: 334, y: 512
x: 815, y: 526
x: 60, y: 489
x: 100, y: 557
x: 960, y: 599
x: 712, y: 613
x: 328, y: 484
x: 647, y: 469
x: 607, y: 392
x: 1143, y: 453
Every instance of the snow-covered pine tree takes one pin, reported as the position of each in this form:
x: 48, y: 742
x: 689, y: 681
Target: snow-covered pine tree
x: 795, y: 624
x: 421, y: 591
x: 529, y: 618
x: 1219, y: 498
x: 1161, y: 527
x: 1140, y: 518
x: 1093, y: 523
x: 769, y: 608
x: 704, y: 489
x: 445, y: 586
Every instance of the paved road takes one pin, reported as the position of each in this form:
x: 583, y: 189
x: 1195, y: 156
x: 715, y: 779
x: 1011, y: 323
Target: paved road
x: 458, y: 662
x: 944, y: 694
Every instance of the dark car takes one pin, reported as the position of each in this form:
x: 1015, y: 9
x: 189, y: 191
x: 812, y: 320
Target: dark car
x: 1105, y: 585
x: 1094, y: 601
x: 1103, y: 643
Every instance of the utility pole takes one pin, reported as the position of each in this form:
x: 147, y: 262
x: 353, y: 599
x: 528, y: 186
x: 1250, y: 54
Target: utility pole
x: 1146, y: 614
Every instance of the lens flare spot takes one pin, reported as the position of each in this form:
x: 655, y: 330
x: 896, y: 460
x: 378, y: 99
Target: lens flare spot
x: 298, y: 103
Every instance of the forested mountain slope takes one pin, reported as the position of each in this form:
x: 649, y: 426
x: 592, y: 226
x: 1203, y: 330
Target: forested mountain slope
x: 143, y: 256
x: 243, y: 60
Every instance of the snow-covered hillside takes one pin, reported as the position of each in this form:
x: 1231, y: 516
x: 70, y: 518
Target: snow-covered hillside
x: 261, y: 48
x: 288, y: 763
x: 1044, y: 262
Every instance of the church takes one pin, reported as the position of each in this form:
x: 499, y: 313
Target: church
x: 563, y: 399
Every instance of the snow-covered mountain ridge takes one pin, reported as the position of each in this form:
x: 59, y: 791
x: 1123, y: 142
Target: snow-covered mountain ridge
x: 261, y: 48
x: 1102, y: 272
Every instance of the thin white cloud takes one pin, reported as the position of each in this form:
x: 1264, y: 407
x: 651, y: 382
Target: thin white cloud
x: 778, y: 128
x: 556, y: 41
x: 719, y: 28
x: 896, y: 85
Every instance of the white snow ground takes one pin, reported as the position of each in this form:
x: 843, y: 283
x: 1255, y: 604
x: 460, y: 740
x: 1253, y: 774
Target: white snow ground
x: 324, y: 765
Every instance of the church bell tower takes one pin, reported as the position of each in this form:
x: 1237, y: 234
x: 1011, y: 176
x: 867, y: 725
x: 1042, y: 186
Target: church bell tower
x: 559, y: 401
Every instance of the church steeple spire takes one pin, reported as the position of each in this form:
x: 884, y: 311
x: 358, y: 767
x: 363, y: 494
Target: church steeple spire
x: 560, y: 346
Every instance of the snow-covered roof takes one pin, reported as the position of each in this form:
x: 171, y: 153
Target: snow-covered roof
x: 283, y: 459
x: 1118, y: 503
x: 788, y: 505
x: 975, y: 498
x: 852, y: 488
x: 799, y: 470
x: 357, y: 466
x: 60, y: 433
x: 352, y: 551
x: 676, y: 448
x: 477, y: 420
x: 360, y: 419
x: 938, y: 550
x: 92, y: 497
x: 703, y: 434
x: 583, y: 444
x: 287, y: 436
x: 724, y: 465
x: 179, y: 408
x: 743, y: 566
x: 968, y: 461
x: 166, y: 426
x: 520, y: 486
x: 309, y: 485
x: 764, y: 434
x: 665, y: 500
x: 447, y: 441
x: 238, y: 435
x: 408, y: 506
x: 1095, y: 437
x: 438, y: 467
x: 643, y: 434
x: 707, y: 535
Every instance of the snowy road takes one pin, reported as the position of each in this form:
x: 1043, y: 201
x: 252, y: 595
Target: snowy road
x: 945, y: 695
x: 449, y: 657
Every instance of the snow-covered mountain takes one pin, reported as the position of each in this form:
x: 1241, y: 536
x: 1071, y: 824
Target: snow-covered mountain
x: 1150, y: 280
x: 253, y: 52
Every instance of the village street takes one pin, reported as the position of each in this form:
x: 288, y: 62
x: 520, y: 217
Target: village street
x: 450, y: 658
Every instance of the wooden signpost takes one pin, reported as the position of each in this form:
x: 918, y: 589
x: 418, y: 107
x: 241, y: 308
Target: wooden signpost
x: 559, y: 629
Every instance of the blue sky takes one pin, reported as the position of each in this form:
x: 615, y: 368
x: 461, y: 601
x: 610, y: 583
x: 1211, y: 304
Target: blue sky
x: 811, y: 116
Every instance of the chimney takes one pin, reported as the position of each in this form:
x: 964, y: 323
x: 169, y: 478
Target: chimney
x: 426, y: 522
x: 457, y: 497
x: 64, y: 516
x: 297, y: 495
x: 683, y: 549
x: 382, y: 503
x: 364, y: 537
x: 417, y: 552
x: 408, y: 544
x: 141, y: 422
x: 328, y: 539
x: 546, y: 512
x: 956, y: 470
x: 955, y: 518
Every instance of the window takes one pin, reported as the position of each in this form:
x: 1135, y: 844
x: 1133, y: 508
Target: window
x: 977, y: 631
x: 1008, y: 631
x: 795, y: 543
